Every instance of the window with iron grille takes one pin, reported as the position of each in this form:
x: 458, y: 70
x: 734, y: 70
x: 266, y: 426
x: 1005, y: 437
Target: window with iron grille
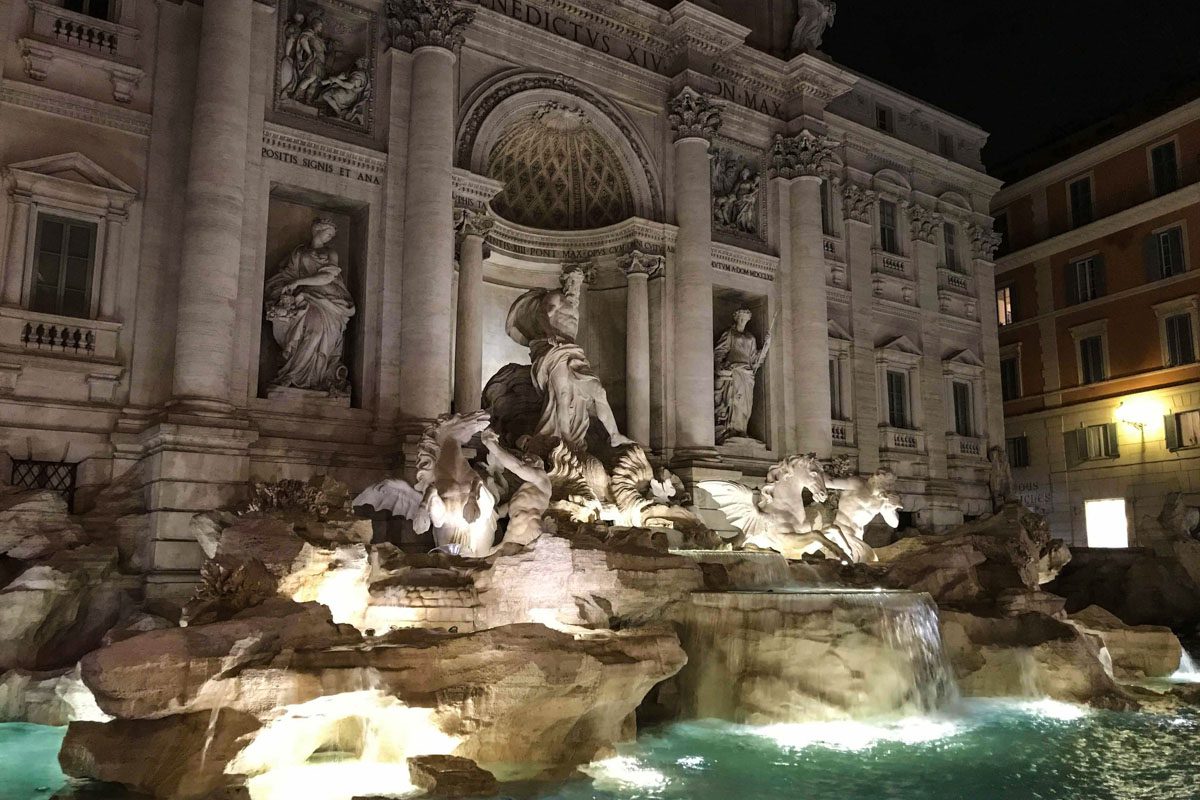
x: 57, y: 476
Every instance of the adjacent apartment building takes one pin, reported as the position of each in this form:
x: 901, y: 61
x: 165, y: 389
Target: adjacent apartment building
x: 1097, y: 295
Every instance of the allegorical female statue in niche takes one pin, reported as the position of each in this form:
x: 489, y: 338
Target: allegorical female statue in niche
x: 309, y: 307
x: 737, y: 359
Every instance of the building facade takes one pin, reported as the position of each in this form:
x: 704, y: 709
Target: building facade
x: 1097, y: 301
x: 176, y: 173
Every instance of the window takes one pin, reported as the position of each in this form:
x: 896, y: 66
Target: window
x: 1164, y: 254
x: 1107, y: 525
x: 1010, y: 378
x: 1091, y: 359
x: 64, y: 254
x: 1017, y: 448
x: 946, y: 145
x: 888, y: 238
x: 1086, y: 280
x: 826, y: 210
x: 884, y: 119
x: 1091, y: 443
x: 1183, y: 430
x: 1004, y: 305
x: 1181, y: 347
x: 1000, y: 226
x: 897, y: 395
x: 964, y: 421
x: 1164, y: 167
x: 101, y: 9
x: 950, y: 244
x: 1080, y: 192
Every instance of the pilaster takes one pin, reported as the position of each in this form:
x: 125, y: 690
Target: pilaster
x: 984, y: 242
x: 857, y: 203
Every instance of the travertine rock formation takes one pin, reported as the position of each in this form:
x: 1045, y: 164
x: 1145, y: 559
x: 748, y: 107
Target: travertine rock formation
x: 1144, y: 651
x: 34, y: 524
x: 520, y: 700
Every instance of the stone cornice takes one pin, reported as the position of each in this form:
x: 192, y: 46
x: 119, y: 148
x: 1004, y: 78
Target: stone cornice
x: 52, y: 101
x: 740, y: 261
x: 1159, y: 206
x: 696, y: 29
x: 473, y: 191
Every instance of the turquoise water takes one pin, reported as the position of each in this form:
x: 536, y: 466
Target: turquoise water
x: 29, y: 761
x: 1029, y: 751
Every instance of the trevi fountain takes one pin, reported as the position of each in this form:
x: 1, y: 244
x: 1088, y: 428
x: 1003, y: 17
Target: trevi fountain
x: 554, y: 621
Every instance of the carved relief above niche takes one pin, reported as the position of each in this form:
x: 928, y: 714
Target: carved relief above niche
x: 325, y: 63
x: 737, y: 191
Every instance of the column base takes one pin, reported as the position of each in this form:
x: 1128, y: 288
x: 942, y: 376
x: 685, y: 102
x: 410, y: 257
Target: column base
x: 185, y: 465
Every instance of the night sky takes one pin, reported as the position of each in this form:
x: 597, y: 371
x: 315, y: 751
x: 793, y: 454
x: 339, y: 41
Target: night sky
x: 1028, y: 71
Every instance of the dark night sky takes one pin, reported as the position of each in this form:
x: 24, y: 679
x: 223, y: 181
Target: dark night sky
x: 1025, y: 70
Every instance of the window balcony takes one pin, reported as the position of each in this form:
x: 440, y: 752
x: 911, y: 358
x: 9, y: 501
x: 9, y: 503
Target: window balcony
x: 885, y: 263
x: 835, y: 260
x: 901, y: 440
x: 973, y: 448
x: 62, y: 337
x: 954, y: 281
x: 56, y: 34
x: 843, y: 433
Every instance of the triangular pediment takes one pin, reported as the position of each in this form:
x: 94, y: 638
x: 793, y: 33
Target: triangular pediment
x: 836, y: 331
x: 966, y: 358
x: 74, y: 168
x: 902, y: 344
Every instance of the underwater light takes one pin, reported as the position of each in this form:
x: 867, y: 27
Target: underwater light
x: 1055, y: 709
x: 850, y: 736
x: 623, y: 772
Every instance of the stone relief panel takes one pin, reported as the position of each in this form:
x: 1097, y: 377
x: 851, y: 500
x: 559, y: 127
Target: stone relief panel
x: 738, y: 198
x: 325, y: 63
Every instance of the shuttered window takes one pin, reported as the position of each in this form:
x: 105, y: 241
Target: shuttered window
x: 64, y: 254
x: 1164, y: 165
x: 1091, y: 359
x: 1018, y: 451
x: 1181, y: 347
x: 1164, y: 254
x: 1010, y: 378
x: 1086, y: 279
x: 1091, y: 443
x: 1081, y: 202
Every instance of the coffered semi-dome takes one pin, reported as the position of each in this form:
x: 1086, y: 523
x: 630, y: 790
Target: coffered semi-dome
x: 559, y: 173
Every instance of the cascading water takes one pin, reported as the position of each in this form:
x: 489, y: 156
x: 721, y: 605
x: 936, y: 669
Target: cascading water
x: 745, y: 570
x: 1188, y: 672
x: 808, y: 655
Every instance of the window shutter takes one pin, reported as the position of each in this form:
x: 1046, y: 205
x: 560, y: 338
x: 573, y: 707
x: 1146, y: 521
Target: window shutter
x: 1151, y: 259
x: 1175, y: 242
x: 1072, y: 284
x: 1110, y: 433
x: 1071, y: 445
x: 1099, y: 276
x: 1171, y: 426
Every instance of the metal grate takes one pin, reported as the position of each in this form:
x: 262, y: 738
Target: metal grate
x: 57, y: 476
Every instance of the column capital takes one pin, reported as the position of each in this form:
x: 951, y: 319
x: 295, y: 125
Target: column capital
x: 984, y: 242
x: 804, y: 155
x: 857, y: 202
x: 469, y: 221
x: 413, y: 24
x: 923, y: 222
x: 694, y: 115
x: 638, y: 263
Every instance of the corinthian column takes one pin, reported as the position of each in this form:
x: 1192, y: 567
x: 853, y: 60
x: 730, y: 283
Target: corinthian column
x: 473, y: 227
x: 804, y: 161
x: 639, y: 268
x: 432, y: 30
x: 213, y: 209
x: 694, y: 120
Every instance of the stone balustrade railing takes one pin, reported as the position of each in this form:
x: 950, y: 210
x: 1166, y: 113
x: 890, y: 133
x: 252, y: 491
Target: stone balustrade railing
x: 965, y: 446
x: 901, y: 439
x: 955, y: 280
x: 843, y: 433
x: 49, y: 334
x: 98, y: 37
x: 891, y: 263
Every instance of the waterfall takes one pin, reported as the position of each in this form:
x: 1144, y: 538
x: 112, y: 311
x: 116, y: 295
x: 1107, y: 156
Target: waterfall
x: 799, y: 656
x: 744, y: 570
x: 1188, y: 672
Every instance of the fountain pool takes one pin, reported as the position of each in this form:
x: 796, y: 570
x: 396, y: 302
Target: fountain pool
x: 980, y: 749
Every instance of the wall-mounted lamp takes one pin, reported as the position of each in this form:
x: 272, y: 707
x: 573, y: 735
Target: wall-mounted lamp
x: 1140, y: 412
